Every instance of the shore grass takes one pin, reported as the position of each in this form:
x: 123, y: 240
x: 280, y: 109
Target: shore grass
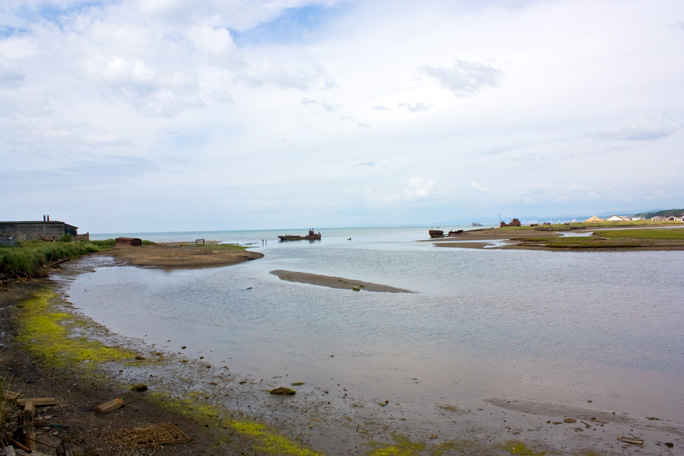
x: 31, y: 258
x: 644, y: 234
x: 626, y: 239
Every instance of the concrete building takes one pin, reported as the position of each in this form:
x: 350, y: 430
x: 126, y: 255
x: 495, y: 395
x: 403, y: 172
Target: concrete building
x: 12, y: 232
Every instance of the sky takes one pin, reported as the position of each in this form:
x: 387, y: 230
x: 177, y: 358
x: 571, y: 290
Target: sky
x: 183, y: 115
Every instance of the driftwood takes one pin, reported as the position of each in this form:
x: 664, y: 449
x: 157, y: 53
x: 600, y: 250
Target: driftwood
x: 10, y: 395
x: 110, y: 406
x: 633, y: 440
x: 37, y: 401
x: 30, y: 408
x: 26, y: 431
x: 20, y: 445
x: 58, y: 262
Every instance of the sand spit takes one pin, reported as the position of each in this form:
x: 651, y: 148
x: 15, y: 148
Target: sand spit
x: 181, y: 255
x: 335, y: 282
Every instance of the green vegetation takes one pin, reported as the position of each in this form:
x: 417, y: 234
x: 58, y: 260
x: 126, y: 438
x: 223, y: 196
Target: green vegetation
x: 586, y: 226
x: 517, y: 447
x: 31, y: 258
x: 665, y: 213
x: 644, y: 234
x: 48, y: 332
x: 633, y: 238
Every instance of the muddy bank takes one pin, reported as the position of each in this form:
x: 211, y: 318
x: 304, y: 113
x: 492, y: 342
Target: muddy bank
x: 336, y: 282
x: 78, y: 389
x: 181, y: 255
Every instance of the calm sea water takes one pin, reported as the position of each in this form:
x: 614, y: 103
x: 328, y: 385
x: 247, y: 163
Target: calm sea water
x: 566, y: 328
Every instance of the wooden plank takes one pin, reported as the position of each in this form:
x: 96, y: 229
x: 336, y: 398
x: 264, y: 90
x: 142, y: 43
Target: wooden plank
x: 28, y: 432
x: 110, y: 406
x: 38, y: 401
x: 10, y: 395
x: 29, y: 407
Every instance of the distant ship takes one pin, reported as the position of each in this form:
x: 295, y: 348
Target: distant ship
x: 310, y: 237
x: 476, y: 224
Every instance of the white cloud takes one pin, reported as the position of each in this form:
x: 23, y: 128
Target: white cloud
x: 210, y: 39
x: 481, y: 188
x: 636, y: 133
x: 415, y: 107
x: 464, y: 78
x: 419, y: 188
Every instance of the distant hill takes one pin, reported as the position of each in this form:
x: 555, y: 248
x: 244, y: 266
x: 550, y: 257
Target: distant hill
x: 665, y: 213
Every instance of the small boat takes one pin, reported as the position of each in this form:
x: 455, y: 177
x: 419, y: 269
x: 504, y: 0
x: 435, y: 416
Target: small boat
x: 436, y: 233
x: 310, y: 237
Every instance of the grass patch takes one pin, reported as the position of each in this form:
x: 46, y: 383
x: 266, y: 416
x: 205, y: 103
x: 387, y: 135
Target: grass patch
x: 31, y: 258
x: 653, y: 233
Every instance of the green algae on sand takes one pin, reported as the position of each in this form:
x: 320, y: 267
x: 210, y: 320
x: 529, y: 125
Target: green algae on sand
x: 49, y: 333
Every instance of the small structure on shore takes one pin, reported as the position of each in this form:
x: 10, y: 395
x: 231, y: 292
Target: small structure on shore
x: 135, y: 242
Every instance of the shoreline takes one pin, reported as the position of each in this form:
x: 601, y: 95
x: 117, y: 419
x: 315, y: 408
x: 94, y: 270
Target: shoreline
x: 529, y: 238
x: 228, y: 412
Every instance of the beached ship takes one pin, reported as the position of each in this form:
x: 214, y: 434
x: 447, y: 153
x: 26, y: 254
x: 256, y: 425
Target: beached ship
x: 440, y: 233
x: 436, y: 233
x: 310, y: 237
x: 514, y: 222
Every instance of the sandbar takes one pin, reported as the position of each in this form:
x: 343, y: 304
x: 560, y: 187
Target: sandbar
x: 335, y: 282
x: 181, y: 255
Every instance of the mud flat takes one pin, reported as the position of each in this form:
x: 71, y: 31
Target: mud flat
x: 335, y: 282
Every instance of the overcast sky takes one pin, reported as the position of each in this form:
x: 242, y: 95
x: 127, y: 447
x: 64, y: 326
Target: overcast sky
x: 172, y: 115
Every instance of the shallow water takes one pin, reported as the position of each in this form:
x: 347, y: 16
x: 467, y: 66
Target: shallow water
x: 566, y: 328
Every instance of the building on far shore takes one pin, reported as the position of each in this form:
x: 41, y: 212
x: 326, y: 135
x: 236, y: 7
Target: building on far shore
x: 618, y: 218
x: 594, y: 219
x: 11, y: 232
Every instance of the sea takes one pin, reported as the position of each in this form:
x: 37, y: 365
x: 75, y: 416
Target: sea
x: 569, y: 328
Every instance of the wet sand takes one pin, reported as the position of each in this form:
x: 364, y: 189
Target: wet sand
x: 335, y: 282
